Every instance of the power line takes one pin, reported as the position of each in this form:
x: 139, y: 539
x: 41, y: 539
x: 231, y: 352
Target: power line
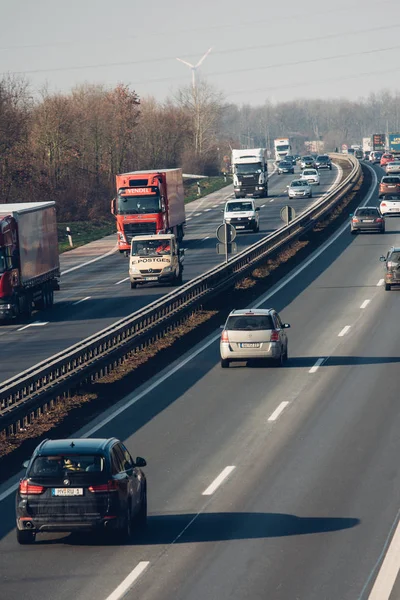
x: 229, y: 51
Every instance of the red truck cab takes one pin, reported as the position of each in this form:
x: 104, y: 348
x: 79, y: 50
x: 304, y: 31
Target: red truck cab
x: 148, y: 202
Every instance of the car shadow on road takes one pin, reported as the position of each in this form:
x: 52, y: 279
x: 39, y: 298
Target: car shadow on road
x: 309, y: 361
x: 214, y: 527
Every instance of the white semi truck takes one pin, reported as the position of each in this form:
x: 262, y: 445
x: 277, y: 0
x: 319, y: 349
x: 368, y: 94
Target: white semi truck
x: 250, y: 172
x: 282, y: 148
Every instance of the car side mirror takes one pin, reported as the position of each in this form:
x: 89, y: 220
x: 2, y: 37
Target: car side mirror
x: 382, y: 259
x: 26, y: 463
x: 286, y: 326
x: 351, y: 215
x: 140, y: 462
x: 258, y: 209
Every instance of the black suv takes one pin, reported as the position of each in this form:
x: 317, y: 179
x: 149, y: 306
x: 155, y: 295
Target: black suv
x: 81, y: 485
x: 392, y: 267
x: 323, y: 162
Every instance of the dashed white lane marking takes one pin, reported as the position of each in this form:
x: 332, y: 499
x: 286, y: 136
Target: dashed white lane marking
x: 198, y: 214
x: 380, y: 282
x: 127, y: 583
x: 317, y: 365
x: 278, y: 411
x: 272, y: 199
x: 215, y: 205
x: 344, y: 331
x: 206, y: 238
x: 188, y: 218
x: 365, y: 303
x: 217, y: 482
x: 34, y: 324
x: 82, y: 300
x: 207, y: 209
x: 89, y: 262
x: 263, y: 206
x: 122, y: 280
x: 387, y: 575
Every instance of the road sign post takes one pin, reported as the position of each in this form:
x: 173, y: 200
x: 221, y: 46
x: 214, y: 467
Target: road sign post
x: 226, y: 234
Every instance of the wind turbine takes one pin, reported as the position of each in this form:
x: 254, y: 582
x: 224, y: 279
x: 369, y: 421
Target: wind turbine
x: 195, y: 67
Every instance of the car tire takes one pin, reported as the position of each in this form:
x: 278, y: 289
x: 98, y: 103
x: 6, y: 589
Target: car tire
x: 278, y: 362
x: 224, y: 363
x: 124, y: 534
x: 179, y: 278
x: 318, y: 183
x: 256, y: 229
x: 353, y: 231
x: 25, y: 537
x: 388, y: 287
x: 133, y: 286
x: 383, y: 230
x: 141, y: 517
x: 310, y: 196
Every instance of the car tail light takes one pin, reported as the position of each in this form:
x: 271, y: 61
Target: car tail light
x: 383, y: 204
x: 224, y: 336
x: 379, y: 220
x: 274, y: 336
x: 110, y: 486
x: 28, y: 488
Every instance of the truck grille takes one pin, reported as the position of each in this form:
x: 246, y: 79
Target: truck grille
x: 150, y: 271
x: 132, y: 229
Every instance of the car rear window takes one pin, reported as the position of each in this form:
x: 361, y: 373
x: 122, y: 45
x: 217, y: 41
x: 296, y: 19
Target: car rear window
x: 390, y: 180
x: 249, y: 323
x: 53, y: 466
x: 367, y: 212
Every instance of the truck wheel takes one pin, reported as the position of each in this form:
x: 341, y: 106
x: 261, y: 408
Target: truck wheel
x: 25, y: 537
x: 133, y: 285
x: 51, y: 298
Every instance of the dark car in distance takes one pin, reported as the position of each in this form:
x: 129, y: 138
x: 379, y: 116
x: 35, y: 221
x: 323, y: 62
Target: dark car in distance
x: 367, y: 219
x: 285, y: 166
x: 323, y: 161
x: 81, y: 485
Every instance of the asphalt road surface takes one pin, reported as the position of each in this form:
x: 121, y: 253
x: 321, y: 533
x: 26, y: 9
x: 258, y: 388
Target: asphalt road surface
x: 98, y: 294
x: 263, y: 482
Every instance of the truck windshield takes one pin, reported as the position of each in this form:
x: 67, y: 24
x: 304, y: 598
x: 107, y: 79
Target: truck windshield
x: 151, y: 248
x: 248, y: 168
x: 3, y: 261
x: 282, y: 148
x: 133, y: 205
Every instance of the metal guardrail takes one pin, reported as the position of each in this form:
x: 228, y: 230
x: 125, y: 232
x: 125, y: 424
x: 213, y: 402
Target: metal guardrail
x: 21, y: 395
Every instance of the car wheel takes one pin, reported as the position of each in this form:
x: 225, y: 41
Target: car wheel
x: 141, y: 518
x: 286, y: 355
x: 318, y: 183
x: 25, y: 537
x: 124, y: 534
x: 133, y: 286
x: 310, y: 196
x: 224, y: 363
x: 278, y: 362
x: 256, y: 228
x: 383, y: 230
x: 353, y: 231
x: 178, y: 280
x: 388, y: 287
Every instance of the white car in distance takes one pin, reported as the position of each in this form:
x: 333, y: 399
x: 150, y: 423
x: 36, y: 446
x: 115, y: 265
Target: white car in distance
x: 390, y: 205
x: 311, y: 176
x: 299, y: 188
x: 393, y: 167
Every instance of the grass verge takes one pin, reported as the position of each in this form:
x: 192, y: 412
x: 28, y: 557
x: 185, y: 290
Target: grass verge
x: 83, y: 232
x: 207, y: 186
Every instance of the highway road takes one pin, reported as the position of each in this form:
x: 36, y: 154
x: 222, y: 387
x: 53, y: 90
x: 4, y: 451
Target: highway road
x: 278, y: 483
x: 98, y: 294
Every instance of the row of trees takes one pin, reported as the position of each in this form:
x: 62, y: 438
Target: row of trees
x: 68, y: 147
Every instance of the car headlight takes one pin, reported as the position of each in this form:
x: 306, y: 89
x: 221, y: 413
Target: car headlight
x: 167, y: 269
x: 228, y: 219
x: 134, y: 270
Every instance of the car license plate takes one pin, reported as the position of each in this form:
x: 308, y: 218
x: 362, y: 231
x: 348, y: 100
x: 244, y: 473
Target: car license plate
x: 239, y: 226
x: 151, y: 278
x: 367, y: 221
x: 249, y: 345
x: 67, y: 492
x: 391, y: 186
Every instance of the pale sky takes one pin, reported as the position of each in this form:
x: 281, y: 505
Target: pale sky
x: 254, y: 45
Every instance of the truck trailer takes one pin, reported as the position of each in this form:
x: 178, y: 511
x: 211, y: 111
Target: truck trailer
x: 250, y: 172
x: 148, y: 202
x: 393, y: 143
x: 29, y: 261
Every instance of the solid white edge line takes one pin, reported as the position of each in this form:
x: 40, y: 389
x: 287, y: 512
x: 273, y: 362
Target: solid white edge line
x: 122, y: 280
x: 198, y: 214
x: 344, y: 331
x: 89, y: 262
x: 274, y: 290
x: 380, y: 282
x: 207, y: 209
x: 365, y: 303
x: 24, y: 327
x: 218, y: 481
x: 278, y: 411
x: 82, y: 300
x: 127, y: 583
x: 388, y: 572
x: 206, y: 238
x: 317, y: 365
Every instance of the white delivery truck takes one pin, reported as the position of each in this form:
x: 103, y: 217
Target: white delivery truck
x: 155, y: 259
x: 282, y: 148
x: 250, y: 172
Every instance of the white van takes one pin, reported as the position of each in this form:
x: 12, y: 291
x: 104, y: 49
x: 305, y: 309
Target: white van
x: 242, y: 214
